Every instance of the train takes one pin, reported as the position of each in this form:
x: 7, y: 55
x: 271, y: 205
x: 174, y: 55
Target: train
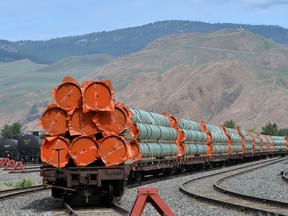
x: 25, y: 149
x: 97, y: 145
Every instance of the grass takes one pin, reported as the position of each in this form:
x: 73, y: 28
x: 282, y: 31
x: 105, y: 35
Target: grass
x: 21, y: 184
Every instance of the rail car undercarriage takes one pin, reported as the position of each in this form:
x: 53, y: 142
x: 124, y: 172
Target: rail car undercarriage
x: 91, y: 184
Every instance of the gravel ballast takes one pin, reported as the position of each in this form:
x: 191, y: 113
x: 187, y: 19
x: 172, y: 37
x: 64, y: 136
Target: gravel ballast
x: 43, y: 203
x: 264, y: 182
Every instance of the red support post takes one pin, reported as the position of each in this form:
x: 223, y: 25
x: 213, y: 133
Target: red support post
x: 4, y: 162
x: 18, y: 164
x: 10, y: 163
x: 149, y: 195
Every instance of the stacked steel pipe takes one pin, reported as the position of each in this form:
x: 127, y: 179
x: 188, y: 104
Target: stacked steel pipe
x: 153, y: 136
x: 247, y: 140
x: 84, y: 124
x: 87, y: 125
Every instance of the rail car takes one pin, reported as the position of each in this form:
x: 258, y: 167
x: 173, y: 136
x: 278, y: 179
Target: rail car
x: 97, y: 145
x: 28, y: 147
x: 161, y: 150
x: 8, y: 149
x: 25, y: 149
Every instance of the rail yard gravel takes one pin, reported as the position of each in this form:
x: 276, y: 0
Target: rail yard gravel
x: 9, y: 180
x: 43, y: 203
x: 264, y: 182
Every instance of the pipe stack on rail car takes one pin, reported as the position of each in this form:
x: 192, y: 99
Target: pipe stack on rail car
x: 86, y: 126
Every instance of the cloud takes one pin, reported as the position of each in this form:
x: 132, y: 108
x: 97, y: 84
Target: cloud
x: 265, y: 3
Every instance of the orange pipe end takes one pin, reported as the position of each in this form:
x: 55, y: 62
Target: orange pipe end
x: 84, y: 150
x: 180, y: 137
x: 286, y: 138
x: 261, y: 142
x: 253, y: 141
x: 54, y: 120
x: 114, y: 150
x: 229, y: 138
x: 135, y: 148
x: 112, y: 121
x: 81, y: 123
x: 98, y: 95
x: 243, y: 140
x: 209, y: 138
x: 68, y: 95
x: 173, y: 120
x: 54, y: 148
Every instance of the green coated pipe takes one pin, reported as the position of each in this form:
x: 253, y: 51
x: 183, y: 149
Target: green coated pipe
x: 220, y: 149
x: 144, y: 117
x: 218, y: 135
x: 158, y: 150
x: 155, y: 132
x: 195, y: 149
x: 189, y: 125
x: 195, y: 136
x: 278, y: 140
x: 236, y: 148
x: 248, y: 146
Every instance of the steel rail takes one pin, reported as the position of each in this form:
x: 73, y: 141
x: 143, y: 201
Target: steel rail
x: 116, y: 208
x: 10, y: 193
x: 230, y: 204
x: 285, y: 175
x: 245, y: 196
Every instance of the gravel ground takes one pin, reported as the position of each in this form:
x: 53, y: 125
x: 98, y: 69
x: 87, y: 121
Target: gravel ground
x: 43, y: 203
x: 264, y: 182
x: 9, y: 180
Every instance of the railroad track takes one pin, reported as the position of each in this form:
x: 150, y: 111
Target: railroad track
x: 285, y: 175
x: 28, y: 169
x: 215, y: 194
x: 115, y: 210
x: 11, y: 193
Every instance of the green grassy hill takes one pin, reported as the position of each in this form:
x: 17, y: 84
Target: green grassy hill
x: 121, y: 42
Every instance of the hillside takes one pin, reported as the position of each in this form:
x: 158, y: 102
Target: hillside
x: 228, y: 74
x: 212, y: 77
x: 25, y: 86
x: 121, y: 42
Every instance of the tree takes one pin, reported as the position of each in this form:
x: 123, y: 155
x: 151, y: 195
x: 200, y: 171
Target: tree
x: 283, y: 132
x: 270, y: 129
x: 11, y: 131
x: 230, y: 124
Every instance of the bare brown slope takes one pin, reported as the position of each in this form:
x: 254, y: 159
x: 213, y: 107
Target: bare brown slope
x: 211, y: 77
x: 214, y: 77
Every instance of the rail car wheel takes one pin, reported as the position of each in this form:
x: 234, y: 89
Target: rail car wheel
x: 118, y: 188
x: 57, y: 192
x: 181, y: 170
x: 108, y: 195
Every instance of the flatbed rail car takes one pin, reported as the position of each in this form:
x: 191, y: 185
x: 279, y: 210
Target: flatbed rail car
x: 104, y: 181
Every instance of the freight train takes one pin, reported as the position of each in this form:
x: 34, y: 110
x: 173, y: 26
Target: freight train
x: 97, y: 145
x: 25, y: 149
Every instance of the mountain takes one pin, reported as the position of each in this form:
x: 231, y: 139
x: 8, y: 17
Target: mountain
x: 25, y: 87
x: 211, y: 77
x: 121, y: 42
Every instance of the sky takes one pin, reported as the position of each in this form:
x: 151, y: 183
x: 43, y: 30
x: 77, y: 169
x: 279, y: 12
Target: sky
x: 48, y: 19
